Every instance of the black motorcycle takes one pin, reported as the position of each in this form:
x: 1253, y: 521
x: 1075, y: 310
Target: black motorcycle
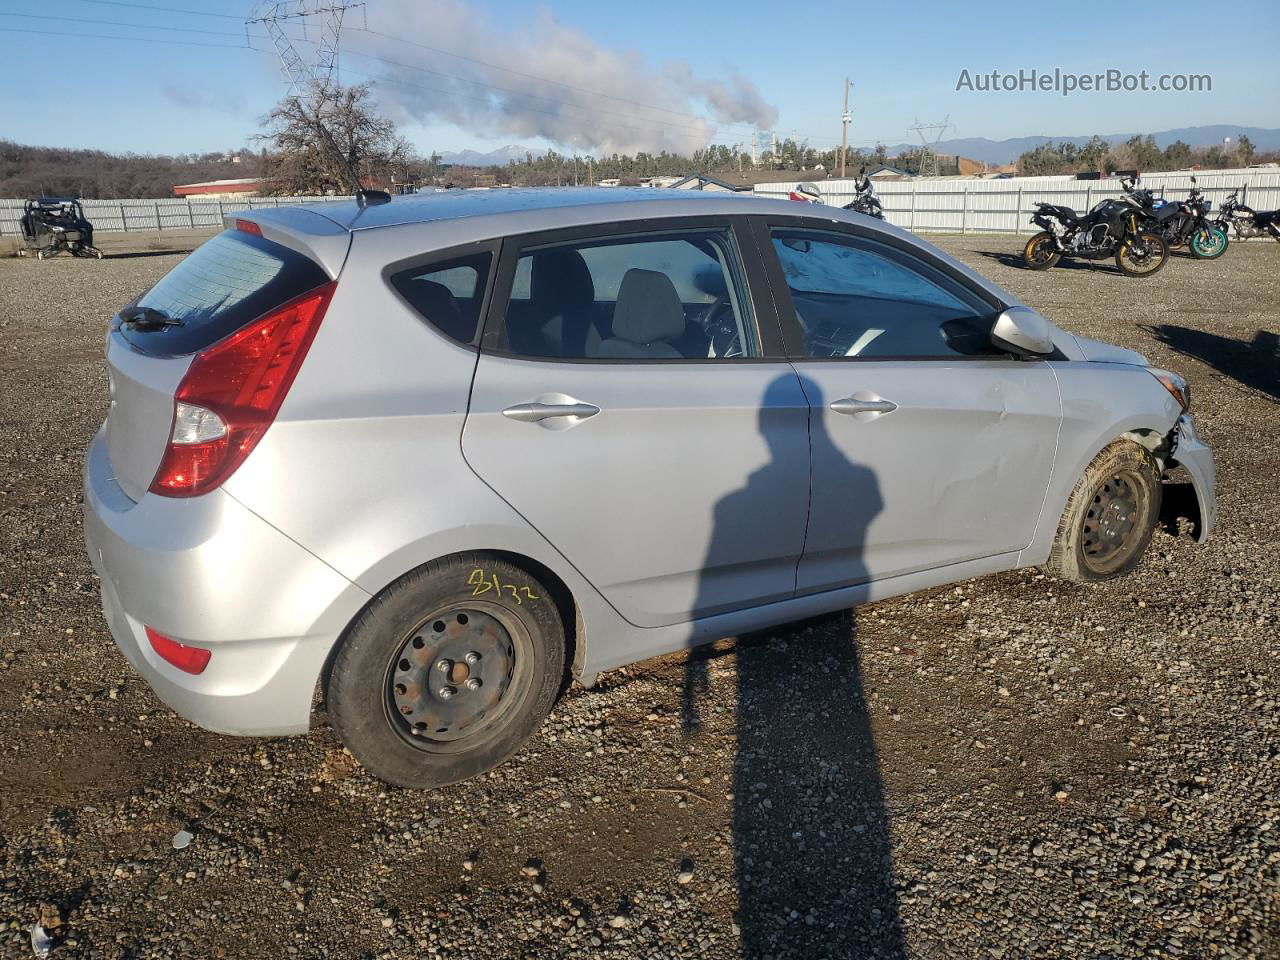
x: 1245, y: 221
x: 1188, y: 224
x: 1113, y: 228
x: 866, y: 200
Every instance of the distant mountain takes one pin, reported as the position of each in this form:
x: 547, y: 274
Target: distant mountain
x: 1006, y: 151
x: 474, y: 158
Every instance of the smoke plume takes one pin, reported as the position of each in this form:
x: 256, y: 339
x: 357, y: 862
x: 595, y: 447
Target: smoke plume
x: 554, y: 82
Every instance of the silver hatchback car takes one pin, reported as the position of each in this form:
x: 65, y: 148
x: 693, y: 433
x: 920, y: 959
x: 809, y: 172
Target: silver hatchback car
x: 434, y: 457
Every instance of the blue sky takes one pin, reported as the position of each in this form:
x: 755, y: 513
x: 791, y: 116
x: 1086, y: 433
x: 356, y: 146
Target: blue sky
x: 655, y: 63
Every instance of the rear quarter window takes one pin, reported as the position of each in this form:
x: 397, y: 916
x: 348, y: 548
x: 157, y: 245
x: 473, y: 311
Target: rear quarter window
x: 228, y: 281
x: 448, y: 294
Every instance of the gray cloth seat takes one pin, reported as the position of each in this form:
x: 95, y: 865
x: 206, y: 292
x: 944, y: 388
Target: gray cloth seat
x: 559, y: 321
x: 647, y: 316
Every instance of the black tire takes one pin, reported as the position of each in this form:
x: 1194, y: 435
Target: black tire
x: 1149, y: 263
x: 1041, y: 253
x: 1209, y: 243
x: 386, y: 691
x: 1110, y: 515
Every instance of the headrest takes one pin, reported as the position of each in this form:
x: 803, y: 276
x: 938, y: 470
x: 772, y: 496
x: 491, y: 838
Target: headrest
x: 438, y: 304
x: 648, y: 308
x: 560, y: 278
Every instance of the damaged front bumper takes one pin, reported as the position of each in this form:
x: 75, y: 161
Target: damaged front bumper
x: 1188, y: 451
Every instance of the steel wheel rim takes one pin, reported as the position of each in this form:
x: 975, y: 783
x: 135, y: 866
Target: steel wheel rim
x: 456, y: 675
x: 1111, y: 530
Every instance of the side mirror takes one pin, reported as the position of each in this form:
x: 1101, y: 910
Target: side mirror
x: 1022, y: 331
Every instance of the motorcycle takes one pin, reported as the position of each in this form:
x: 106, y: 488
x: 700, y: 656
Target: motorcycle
x: 866, y: 200
x: 1187, y: 223
x: 1245, y: 221
x: 1118, y: 228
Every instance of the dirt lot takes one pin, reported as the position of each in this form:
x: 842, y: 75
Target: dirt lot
x: 1008, y: 767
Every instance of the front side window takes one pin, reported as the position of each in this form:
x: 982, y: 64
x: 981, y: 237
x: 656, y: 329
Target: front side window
x: 858, y: 298
x: 654, y: 297
x: 448, y: 295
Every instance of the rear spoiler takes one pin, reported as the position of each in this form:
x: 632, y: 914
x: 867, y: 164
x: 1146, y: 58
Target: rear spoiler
x: 302, y: 228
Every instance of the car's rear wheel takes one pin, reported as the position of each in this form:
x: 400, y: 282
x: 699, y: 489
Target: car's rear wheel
x: 1110, y: 516
x: 448, y: 671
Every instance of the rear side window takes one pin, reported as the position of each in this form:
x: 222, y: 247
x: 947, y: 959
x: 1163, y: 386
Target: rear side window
x: 676, y: 296
x: 448, y: 295
x: 229, y: 280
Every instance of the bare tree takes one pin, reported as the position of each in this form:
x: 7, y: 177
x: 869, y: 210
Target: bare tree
x: 300, y: 161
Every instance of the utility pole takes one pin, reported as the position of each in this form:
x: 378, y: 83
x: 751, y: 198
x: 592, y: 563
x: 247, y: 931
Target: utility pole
x: 844, y: 128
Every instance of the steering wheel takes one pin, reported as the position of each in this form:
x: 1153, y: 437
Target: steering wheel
x: 721, y: 328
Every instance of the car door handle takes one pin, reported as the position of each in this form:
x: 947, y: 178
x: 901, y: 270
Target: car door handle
x: 850, y: 406
x: 535, y: 412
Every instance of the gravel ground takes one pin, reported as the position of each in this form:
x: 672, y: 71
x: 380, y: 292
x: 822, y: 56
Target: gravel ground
x: 1008, y: 767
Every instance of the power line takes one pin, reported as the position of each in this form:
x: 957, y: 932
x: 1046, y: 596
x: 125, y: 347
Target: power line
x: 147, y: 6
x: 102, y: 36
x: 134, y: 26
x: 665, y: 126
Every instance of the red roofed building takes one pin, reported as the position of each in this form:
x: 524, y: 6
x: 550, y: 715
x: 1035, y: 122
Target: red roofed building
x: 214, y: 189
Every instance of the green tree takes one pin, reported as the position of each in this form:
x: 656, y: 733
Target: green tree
x: 1244, y: 149
x: 1177, y: 155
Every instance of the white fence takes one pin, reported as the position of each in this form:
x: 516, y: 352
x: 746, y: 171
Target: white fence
x: 1005, y: 206
x: 924, y: 206
x: 113, y: 216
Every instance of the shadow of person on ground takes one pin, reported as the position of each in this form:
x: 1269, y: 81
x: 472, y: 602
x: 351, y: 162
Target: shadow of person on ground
x: 1255, y: 364
x: 811, y: 832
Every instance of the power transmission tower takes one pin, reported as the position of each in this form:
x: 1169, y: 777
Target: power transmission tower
x: 309, y: 81
x: 929, y: 158
x: 323, y: 17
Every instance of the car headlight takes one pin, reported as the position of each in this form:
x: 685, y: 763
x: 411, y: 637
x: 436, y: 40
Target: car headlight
x: 1175, y: 384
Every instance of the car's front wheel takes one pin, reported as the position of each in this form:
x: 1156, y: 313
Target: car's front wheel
x: 447, y: 671
x: 1110, y: 516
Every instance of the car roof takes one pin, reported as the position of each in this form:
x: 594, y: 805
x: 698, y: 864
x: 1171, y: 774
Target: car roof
x: 454, y: 204
x: 437, y: 221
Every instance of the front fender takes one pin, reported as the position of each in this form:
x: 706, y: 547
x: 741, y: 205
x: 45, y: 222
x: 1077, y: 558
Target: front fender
x: 1100, y: 403
x: 1191, y: 453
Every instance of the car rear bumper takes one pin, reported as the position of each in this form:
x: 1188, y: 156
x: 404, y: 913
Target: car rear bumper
x: 208, y: 572
x: 1197, y: 458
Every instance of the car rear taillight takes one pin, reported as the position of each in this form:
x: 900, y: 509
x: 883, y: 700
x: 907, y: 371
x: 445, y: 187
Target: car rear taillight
x: 231, y: 393
x: 186, y: 658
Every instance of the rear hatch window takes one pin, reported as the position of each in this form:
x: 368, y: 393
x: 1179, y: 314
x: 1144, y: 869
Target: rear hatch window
x: 229, y: 280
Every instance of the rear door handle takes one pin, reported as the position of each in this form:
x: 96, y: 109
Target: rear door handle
x: 536, y: 412
x: 850, y: 406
